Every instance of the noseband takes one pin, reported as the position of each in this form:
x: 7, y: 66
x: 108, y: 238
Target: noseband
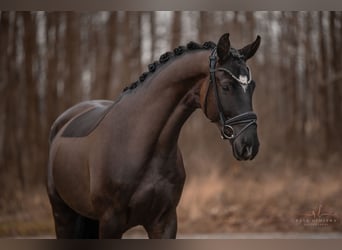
x: 249, y: 118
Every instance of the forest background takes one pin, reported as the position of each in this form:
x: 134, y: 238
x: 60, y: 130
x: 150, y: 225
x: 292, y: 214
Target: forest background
x: 52, y: 60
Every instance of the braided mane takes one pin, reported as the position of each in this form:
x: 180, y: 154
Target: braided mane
x: 191, y: 46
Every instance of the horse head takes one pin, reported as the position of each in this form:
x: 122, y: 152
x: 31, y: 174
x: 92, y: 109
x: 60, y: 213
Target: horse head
x: 226, y: 96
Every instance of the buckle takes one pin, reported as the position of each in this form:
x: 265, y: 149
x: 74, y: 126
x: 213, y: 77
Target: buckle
x: 227, y: 132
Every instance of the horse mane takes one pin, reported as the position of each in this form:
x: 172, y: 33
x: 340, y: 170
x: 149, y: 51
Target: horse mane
x: 167, y: 56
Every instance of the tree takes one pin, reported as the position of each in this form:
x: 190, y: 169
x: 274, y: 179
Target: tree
x: 176, y: 29
x: 72, y: 88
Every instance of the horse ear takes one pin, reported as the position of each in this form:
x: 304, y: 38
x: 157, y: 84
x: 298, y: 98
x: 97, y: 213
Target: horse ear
x: 223, y: 47
x: 249, y: 50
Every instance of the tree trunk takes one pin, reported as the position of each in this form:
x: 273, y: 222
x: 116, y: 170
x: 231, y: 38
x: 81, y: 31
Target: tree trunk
x: 4, y: 69
x: 52, y: 38
x: 323, y: 90
x: 249, y: 35
x: 176, y: 29
x: 111, y: 43
x: 153, y: 34
x: 125, y: 77
x: 335, y: 38
x: 32, y: 97
x: 203, y: 29
x: 72, y: 88
x: 135, y: 28
x: 294, y: 126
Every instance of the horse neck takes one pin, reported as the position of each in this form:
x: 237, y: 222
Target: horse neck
x: 161, y: 105
x: 179, y: 86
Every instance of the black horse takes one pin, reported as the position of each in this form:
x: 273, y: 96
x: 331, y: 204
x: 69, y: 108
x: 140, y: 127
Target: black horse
x: 116, y: 164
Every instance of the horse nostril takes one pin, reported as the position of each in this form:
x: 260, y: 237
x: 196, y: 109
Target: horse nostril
x: 247, y: 152
x: 250, y: 150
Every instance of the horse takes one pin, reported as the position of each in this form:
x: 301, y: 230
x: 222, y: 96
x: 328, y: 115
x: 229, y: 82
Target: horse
x: 114, y: 165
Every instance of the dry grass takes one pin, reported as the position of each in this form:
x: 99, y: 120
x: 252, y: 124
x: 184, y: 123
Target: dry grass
x: 258, y: 202
x: 26, y: 214
x: 241, y: 200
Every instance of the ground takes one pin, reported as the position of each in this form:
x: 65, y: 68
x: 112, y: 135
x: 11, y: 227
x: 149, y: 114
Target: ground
x: 240, y: 200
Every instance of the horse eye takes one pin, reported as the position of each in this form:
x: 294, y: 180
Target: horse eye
x: 225, y: 87
x: 225, y: 84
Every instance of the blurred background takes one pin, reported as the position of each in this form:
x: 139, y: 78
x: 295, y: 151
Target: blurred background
x: 50, y: 61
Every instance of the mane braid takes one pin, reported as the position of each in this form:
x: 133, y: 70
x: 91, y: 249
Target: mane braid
x: 164, y: 58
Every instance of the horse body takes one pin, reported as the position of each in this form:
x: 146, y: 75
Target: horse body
x: 126, y: 168
x: 137, y: 171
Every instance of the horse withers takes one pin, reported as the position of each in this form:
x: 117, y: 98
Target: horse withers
x: 116, y: 164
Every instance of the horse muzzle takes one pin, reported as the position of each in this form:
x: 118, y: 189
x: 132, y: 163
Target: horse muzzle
x: 246, y: 147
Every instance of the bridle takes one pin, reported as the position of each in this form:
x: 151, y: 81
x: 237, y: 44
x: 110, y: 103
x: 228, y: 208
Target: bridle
x: 249, y: 118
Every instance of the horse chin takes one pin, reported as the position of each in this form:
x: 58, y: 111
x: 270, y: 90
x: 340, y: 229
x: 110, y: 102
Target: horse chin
x: 243, y: 153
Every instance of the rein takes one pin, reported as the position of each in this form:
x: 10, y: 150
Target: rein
x: 249, y: 118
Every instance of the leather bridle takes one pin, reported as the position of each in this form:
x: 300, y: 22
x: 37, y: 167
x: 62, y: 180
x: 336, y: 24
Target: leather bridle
x: 227, y: 124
